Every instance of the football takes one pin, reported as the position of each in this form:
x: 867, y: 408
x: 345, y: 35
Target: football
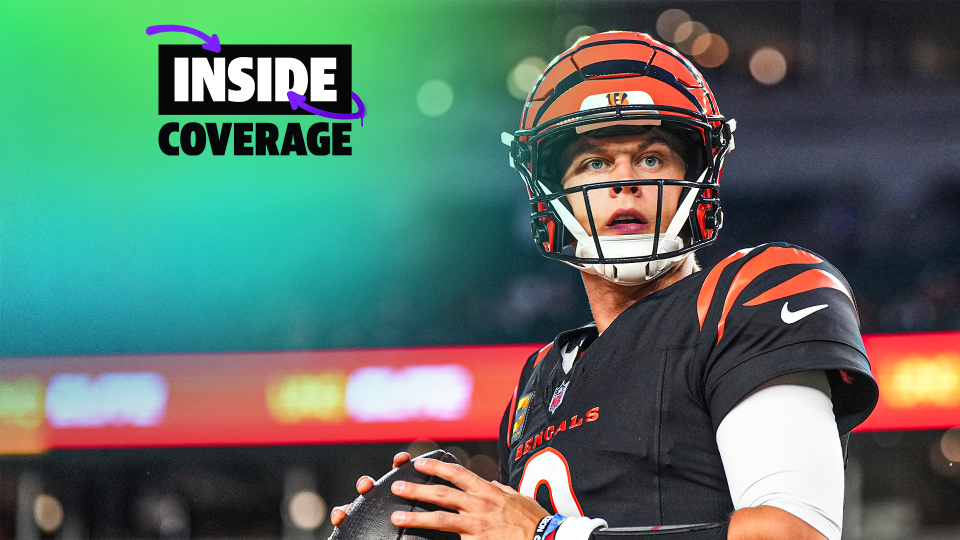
x: 369, y: 515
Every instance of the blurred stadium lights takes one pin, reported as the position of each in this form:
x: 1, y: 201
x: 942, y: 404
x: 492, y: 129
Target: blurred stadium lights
x: 485, y: 467
x: 421, y: 446
x: 576, y: 33
x: 950, y: 445
x: 165, y: 515
x: 307, y: 510
x: 701, y: 44
x: 693, y: 38
x: 112, y: 399
x: 711, y: 50
x: 303, y: 509
x: 687, y: 34
x: 922, y: 381
x: 523, y: 75
x: 669, y: 21
x: 413, y: 393
x: 48, y: 513
x: 768, y: 66
x: 293, y: 398
x: 462, y: 456
x: 435, y: 97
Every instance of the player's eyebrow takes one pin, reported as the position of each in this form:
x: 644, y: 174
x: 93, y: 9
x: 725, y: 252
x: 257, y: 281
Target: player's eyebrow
x: 590, y: 148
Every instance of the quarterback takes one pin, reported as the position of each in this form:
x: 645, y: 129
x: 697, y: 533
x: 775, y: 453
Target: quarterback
x: 699, y: 404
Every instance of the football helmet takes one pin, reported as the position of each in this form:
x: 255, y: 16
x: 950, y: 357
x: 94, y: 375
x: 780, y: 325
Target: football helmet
x: 621, y: 79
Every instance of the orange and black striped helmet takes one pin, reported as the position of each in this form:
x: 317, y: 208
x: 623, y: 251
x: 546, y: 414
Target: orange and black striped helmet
x: 621, y: 78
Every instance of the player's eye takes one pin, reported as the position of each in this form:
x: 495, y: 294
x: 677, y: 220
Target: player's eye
x: 650, y: 161
x: 594, y: 165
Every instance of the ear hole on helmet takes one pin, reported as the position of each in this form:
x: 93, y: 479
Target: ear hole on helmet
x: 709, y: 216
x: 545, y: 229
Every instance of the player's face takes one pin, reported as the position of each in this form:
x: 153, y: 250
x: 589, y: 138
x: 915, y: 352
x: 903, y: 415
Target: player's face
x: 624, y: 209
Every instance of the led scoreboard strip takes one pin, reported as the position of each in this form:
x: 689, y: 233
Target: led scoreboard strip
x: 355, y: 396
x: 919, y: 379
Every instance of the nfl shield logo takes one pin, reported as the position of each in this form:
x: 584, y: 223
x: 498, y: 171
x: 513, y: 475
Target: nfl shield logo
x: 558, y: 396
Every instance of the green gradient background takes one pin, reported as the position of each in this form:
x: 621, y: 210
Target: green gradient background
x: 109, y: 246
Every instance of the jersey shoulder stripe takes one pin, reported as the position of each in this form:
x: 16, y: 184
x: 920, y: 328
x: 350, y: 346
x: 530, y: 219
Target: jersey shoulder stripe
x: 768, y: 259
x: 710, y: 285
x: 749, y: 264
x: 807, y: 281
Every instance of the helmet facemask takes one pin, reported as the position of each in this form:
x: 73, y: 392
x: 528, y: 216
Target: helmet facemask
x: 627, y: 259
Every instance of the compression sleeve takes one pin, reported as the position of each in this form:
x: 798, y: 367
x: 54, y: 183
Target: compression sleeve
x: 780, y: 447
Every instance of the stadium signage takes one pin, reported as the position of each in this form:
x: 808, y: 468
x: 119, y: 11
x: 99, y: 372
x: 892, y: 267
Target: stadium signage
x: 361, y: 396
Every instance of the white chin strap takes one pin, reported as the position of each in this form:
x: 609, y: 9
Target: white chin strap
x: 628, y: 245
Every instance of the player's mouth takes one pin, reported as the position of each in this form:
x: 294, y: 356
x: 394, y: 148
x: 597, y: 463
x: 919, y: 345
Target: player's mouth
x: 627, y: 221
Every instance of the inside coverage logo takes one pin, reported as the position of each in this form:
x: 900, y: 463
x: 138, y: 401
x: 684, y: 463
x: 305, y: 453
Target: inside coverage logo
x: 302, y: 80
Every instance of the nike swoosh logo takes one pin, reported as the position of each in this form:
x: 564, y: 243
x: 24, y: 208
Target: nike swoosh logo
x: 791, y: 317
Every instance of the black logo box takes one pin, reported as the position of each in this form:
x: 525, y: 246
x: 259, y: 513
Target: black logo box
x: 303, y: 53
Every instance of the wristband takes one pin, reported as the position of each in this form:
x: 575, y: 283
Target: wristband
x: 552, y: 527
x: 541, y: 527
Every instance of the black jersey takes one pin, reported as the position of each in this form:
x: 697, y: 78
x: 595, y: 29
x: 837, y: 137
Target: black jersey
x: 628, y: 435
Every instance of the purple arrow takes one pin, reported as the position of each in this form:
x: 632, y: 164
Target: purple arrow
x: 211, y: 43
x: 297, y: 100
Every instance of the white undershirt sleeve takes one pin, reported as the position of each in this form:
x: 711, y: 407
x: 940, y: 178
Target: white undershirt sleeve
x: 780, y: 447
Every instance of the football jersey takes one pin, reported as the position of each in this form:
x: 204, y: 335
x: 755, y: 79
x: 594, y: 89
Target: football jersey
x: 628, y: 434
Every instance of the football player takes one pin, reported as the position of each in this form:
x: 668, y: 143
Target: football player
x: 698, y: 404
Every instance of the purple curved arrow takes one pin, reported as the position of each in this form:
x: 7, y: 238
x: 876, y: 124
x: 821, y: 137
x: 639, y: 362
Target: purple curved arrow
x: 297, y: 100
x: 210, y: 43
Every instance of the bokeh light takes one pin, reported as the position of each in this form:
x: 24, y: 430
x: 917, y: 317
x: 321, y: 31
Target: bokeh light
x: 768, y: 66
x: 435, y: 97
x: 485, y: 467
x: 48, y: 513
x: 523, y: 75
x: 669, y: 21
x: 711, y: 50
x: 687, y: 34
x: 950, y: 444
x: 576, y: 33
x: 462, y: 456
x: 420, y: 447
x: 307, y: 510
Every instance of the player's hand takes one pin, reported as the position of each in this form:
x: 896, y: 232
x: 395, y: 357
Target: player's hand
x: 364, y: 483
x: 482, y: 510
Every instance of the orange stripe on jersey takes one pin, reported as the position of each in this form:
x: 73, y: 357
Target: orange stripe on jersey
x: 772, y: 257
x: 710, y: 285
x: 807, y: 281
x: 543, y: 352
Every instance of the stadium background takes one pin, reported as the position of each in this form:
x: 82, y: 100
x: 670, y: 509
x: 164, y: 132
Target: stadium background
x: 117, y: 259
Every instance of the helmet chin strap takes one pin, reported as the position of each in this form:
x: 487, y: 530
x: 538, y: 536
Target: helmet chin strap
x: 628, y: 245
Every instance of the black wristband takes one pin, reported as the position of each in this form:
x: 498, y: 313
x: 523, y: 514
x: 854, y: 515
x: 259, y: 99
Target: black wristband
x: 702, y: 531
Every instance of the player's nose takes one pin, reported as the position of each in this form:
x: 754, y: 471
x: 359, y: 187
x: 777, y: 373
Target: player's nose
x: 615, y: 191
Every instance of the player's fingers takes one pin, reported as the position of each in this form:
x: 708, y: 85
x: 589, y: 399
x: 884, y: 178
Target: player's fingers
x: 458, y: 475
x: 439, y: 494
x: 439, y: 521
x: 338, y: 513
x: 364, y: 483
x: 400, y: 459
